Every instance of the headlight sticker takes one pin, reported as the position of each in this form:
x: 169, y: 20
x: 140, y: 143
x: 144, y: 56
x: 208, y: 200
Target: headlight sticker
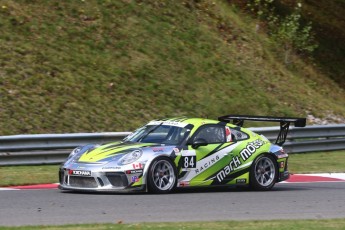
x: 131, y: 157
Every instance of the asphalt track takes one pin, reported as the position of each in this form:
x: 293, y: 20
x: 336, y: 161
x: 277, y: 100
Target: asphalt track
x: 302, y: 198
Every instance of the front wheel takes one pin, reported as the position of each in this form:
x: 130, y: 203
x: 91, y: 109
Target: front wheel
x: 162, y: 176
x: 264, y: 172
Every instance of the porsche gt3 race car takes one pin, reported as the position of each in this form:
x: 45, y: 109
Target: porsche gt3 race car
x: 182, y: 152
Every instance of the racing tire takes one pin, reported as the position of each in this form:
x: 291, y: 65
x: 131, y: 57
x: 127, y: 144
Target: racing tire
x: 162, y: 177
x: 263, y: 173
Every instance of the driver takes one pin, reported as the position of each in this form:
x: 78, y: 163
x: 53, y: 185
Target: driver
x: 228, y: 134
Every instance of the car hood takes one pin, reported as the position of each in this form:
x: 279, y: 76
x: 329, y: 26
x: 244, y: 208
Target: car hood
x: 111, y: 150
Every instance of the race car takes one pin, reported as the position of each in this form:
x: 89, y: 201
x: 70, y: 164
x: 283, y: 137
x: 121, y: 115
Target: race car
x: 182, y: 152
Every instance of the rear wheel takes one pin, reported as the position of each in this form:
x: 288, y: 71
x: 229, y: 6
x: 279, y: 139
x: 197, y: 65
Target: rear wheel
x: 264, y: 172
x: 162, y: 176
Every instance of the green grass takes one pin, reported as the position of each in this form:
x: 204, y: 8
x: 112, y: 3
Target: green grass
x: 24, y: 175
x: 235, y: 225
x: 94, y: 66
x: 322, y: 162
x: 326, y: 162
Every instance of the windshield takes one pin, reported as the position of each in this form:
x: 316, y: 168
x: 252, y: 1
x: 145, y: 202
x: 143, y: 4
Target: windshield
x: 162, y: 134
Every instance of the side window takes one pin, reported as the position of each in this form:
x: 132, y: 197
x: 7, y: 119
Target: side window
x: 211, y: 133
x: 238, y: 135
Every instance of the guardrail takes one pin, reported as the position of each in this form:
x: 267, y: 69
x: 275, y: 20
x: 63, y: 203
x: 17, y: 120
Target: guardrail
x: 310, y: 138
x: 54, y: 148
x: 48, y: 148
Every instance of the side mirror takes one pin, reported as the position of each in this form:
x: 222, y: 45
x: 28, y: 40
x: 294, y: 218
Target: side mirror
x: 199, y: 142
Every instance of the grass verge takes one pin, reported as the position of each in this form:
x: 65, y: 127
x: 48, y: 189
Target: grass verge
x: 234, y: 225
x: 320, y: 162
x: 325, y: 162
x: 23, y: 175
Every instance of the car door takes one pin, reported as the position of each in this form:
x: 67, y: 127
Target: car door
x: 202, y: 160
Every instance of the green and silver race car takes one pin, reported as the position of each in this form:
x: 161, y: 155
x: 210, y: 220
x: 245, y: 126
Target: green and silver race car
x: 182, y: 152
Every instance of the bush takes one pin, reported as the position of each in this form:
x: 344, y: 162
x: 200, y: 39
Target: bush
x: 288, y: 30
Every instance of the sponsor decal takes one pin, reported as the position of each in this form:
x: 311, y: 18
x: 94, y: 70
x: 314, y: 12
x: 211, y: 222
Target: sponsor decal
x: 241, y: 181
x: 171, y: 123
x: 236, y: 162
x: 188, y: 153
x: 79, y: 172
x: 251, y: 149
x: 207, y: 164
x: 135, y: 179
x: 282, y: 164
x: 111, y: 168
x: 134, y: 171
x: 158, y: 149
x: 137, y: 166
x: 184, y: 183
x: 176, y: 150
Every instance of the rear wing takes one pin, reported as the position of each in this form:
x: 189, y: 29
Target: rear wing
x: 284, y: 123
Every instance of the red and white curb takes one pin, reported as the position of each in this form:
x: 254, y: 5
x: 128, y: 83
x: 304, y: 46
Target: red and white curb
x: 32, y: 187
x: 318, y: 177
x: 294, y: 178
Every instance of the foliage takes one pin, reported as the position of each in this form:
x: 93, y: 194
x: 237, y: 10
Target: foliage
x: 288, y: 30
x: 263, y: 8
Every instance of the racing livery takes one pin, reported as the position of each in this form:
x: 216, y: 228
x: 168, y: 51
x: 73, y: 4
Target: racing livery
x: 182, y: 152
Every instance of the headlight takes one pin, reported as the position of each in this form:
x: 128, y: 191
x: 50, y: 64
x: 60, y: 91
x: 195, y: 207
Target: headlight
x: 131, y: 157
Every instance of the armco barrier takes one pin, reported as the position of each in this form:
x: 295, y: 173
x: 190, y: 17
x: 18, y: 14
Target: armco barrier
x: 310, y: 138
x: 48, y: 148
x: 54, y: 148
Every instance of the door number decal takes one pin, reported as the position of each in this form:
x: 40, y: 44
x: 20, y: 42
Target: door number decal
x: 188, y: 159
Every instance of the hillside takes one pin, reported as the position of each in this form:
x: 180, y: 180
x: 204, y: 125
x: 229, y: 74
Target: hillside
x: 329, y: 25
x: 94, y: 66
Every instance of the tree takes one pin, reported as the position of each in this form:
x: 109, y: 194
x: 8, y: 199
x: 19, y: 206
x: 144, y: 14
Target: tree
x: 288, y: 30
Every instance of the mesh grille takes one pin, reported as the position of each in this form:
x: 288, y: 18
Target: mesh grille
x: 117, y: 179
x: 83, y: 182
x: 61, y: 175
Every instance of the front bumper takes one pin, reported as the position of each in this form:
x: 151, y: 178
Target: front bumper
x: 284, y: 173
x: 100, y: 181
x: 284, y: 176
